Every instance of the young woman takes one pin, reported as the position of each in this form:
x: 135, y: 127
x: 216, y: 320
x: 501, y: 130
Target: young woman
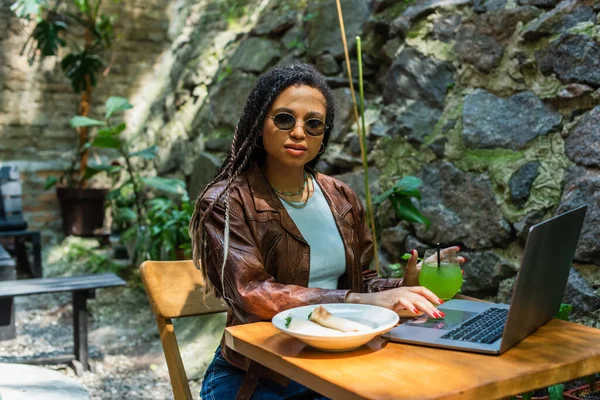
x: 269, y: 233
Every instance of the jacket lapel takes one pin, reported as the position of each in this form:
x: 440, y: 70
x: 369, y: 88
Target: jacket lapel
x: 265, y: 200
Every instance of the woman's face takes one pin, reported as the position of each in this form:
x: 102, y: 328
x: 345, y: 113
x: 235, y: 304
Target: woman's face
x: 295, y: 147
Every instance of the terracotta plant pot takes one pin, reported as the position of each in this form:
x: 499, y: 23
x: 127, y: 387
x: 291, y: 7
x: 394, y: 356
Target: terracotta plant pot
x: 82, y: 210
x: 535, y: 397
x: 583, y: 391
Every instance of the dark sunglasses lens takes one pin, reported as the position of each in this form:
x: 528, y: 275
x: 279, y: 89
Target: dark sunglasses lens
x: 314, y: 127
x: 284, y: 121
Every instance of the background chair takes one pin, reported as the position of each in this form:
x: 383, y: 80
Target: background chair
x: 13, y: 225
x: 175, y: 289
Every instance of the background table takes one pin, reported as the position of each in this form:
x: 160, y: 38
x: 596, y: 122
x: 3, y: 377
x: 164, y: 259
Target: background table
x: 557, y: 352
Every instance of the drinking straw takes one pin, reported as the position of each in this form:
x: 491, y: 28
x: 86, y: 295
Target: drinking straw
x: 438, y: 255
x: 360, y: 131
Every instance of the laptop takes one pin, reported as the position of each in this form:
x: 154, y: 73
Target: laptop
x: 491, y: 328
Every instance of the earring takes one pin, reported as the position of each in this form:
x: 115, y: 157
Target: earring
x: 322, y: 149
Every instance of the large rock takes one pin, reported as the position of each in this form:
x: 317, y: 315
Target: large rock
x: 573, y: 58
x: 228, y: 101
x: 483, y: 6
x: 490, y: 121
x: 204, y: 169
x: 323, y: 26
x: 580, y: 294
x: 538, y: 3
x: 564, y: 17
x: 523, y: 225
x: 414, y: 120
x: 582, y: 187
x: 446, y: 27
x: 356, y: 180
x: 392, y: 241
x: 583, y: 144
x: 255, y: 55
x: 344, y: 114
x: 521, y: 181
x: 275, y: 22
x: 455, y: 201
x: 484, y: 271
x: 422, y: 8
x: 414, y: 76
x: 481, y: 42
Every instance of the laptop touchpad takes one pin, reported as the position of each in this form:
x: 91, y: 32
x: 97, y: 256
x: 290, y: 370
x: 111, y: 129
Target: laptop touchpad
x: 452, y: 319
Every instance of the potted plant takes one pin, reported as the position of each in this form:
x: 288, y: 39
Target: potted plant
x: 153, y: 226
x: 80, y: 27
x: 590, y: 391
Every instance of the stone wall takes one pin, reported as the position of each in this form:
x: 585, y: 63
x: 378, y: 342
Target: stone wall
x: 494, y: 104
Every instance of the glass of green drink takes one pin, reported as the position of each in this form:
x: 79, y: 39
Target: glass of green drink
x: 443, y: 278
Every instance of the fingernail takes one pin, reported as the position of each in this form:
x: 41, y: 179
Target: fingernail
x: 458, y: 248
x: 437, y: 314
x: 443, y: 315
x: 463, y: 271
x: 416, y: 310
x: 413, y: 252
x: 440, y: 301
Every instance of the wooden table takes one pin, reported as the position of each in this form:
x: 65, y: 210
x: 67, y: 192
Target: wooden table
x: 557, y: 352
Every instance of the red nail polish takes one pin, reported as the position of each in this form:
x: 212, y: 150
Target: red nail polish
x: 413, y: 252
x: 458, y: 248
x: 440, y: 301
x: 443, y: 315
x: 416, y: 310
x: 463, y: 271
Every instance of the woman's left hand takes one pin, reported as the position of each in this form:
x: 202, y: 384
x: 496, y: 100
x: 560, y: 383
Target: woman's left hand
x: 411, y: 275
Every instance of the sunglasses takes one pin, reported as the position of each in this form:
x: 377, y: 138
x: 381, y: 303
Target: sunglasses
x: 287, y: 122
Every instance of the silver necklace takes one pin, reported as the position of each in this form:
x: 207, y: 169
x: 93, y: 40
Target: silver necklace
x: 297, y: 206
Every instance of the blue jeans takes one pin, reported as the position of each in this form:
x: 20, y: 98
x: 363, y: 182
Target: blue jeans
x: 222, y: 381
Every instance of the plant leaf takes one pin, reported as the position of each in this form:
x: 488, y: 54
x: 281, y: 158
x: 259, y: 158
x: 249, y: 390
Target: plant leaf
x: 50, y: 182
x: 564, y: 311
x: 106, y: 142
x: 126, y: 214
x: 148, y: 153
x: 79, y: 121
x: 116, y: 104
x: 174, y: 186
x: 406, y: 211
x: 383, y: 196
x: 80, y: 66
x: 555, y: 392
x: 93, y: 169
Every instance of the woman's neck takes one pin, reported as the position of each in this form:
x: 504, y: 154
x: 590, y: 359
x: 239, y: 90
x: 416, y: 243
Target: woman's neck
x: 282, y: 177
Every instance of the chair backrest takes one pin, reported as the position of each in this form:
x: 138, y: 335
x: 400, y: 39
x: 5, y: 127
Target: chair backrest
x: 11, y: 205
x: 176, y: 289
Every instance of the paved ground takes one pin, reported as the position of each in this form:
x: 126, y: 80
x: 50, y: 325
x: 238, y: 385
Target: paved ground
x: 124, y: 345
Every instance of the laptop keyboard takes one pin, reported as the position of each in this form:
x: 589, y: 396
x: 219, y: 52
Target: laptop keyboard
x: 486, y: 327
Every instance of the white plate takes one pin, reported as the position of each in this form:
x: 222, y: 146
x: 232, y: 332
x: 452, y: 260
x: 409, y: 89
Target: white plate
x: 379, y: 319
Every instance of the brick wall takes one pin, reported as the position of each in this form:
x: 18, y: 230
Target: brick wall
x: 36, y: 102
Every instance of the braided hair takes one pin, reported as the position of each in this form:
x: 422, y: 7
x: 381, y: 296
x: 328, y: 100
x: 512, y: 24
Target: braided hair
x: 246, y: 148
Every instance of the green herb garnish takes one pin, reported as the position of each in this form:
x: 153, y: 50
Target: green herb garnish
x: 288, y: 321
x: 309, y: 315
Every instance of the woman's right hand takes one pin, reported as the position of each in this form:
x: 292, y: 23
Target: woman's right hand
x: 412, y: 298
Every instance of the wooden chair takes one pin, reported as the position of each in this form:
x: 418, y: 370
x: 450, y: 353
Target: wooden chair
x: 175, y: 289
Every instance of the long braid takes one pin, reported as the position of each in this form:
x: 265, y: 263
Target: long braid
x: 245, y: 151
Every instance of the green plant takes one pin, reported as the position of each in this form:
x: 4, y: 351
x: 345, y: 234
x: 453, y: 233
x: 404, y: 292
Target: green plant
x: 152, y: 226
x: 87, y: 34
x: 400, y: 197
x: 168, y: 221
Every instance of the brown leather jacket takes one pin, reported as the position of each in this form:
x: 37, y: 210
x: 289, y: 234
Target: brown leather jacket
x: 268, y: 264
